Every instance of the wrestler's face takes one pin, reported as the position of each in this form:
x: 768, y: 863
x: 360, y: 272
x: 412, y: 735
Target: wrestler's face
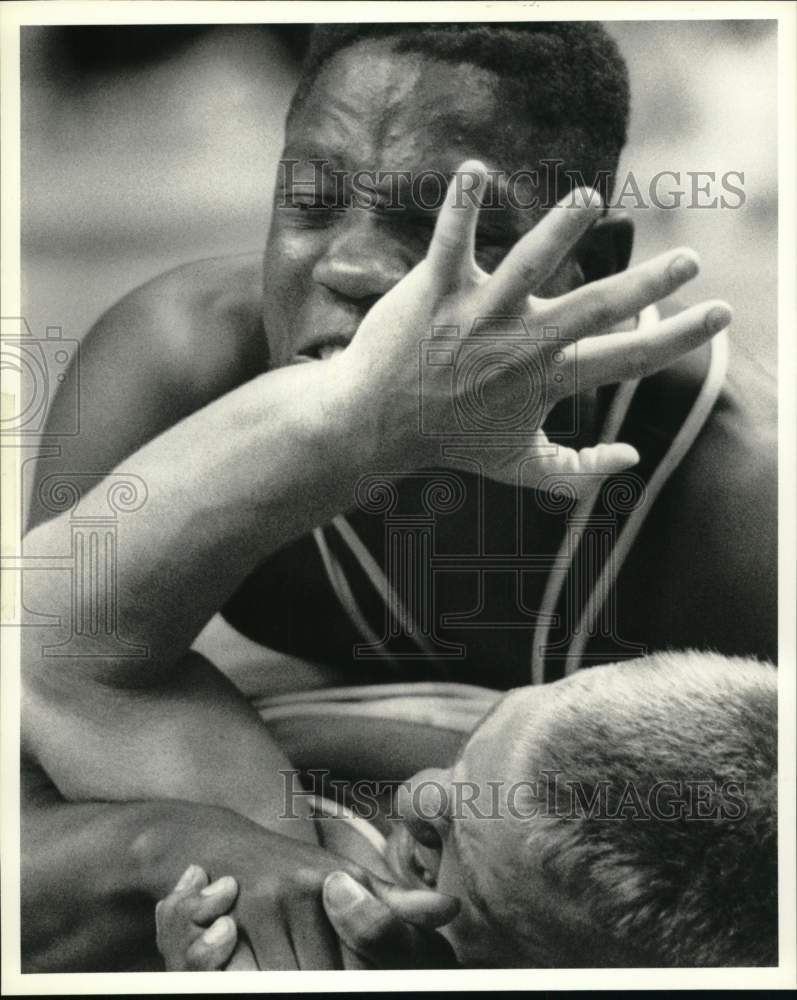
x: 467, y: 832
x: 402, y: 116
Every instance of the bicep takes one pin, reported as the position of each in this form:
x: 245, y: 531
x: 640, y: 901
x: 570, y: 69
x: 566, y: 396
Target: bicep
x: 195, y: 738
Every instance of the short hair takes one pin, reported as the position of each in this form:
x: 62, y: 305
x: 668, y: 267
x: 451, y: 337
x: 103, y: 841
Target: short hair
x: 568, y: 79
x: 699, y: 889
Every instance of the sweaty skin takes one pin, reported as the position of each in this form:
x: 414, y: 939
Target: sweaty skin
x: 198, y: 366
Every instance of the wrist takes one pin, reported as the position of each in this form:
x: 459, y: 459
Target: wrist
x: 348, y: 427
x: 377, y: 424
x: 162, y: 844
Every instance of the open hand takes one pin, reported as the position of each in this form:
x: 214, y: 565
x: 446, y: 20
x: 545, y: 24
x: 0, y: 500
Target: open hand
x: 543, y: 350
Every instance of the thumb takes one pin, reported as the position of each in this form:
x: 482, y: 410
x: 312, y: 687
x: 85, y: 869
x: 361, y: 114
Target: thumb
x: 424, y: 908
x: 583, y: 470
x: 607, y: 459
x: 373, y: 935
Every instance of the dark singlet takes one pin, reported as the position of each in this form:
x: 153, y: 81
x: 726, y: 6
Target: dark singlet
x: 430, y: 579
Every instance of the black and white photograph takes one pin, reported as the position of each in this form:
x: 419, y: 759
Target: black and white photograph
x: 398, y: 496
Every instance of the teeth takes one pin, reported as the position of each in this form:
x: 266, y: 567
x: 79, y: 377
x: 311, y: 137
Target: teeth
x: 329, y: 351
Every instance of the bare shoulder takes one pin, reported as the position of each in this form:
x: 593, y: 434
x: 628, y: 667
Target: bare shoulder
x: 715, y: 529
x: 199, y: 320
x: 166, y: 349
x: 734, y: 461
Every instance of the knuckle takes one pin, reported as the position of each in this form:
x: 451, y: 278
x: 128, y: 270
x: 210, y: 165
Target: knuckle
x: 185, y: 907
x: 637, y: 357
x: 541, y: 311
x: 166, y: 908
x: 381, y: 925
x: 446, y: 241
x: 308, y: 885
x: 357, y: 872
x: 653, y: 285
x: 601, y: 310
x: 530, y: 273
x: 194, y: 961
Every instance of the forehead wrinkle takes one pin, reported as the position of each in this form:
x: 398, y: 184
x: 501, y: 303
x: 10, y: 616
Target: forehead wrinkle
x: 411, y: 99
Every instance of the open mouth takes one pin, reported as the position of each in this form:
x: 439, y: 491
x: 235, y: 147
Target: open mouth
x: 409, y: 862
x: 322, y: 351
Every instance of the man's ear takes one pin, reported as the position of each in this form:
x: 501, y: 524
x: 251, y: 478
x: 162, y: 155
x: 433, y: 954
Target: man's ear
x: 606, y: 248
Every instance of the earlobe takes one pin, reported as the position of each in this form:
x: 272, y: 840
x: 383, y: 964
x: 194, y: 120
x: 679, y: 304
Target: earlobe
x: 606, y: 248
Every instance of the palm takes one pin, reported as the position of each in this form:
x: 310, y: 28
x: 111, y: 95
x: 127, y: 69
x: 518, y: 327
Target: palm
x: 448, y: 291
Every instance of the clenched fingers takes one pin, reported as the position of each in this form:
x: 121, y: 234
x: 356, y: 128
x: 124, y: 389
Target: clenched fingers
x: 212, y: 949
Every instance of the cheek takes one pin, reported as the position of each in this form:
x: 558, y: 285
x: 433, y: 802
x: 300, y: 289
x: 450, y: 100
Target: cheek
x: 290, y: 256
x: 474, y: 941
x: 460, y: 932
x: 287, y: 285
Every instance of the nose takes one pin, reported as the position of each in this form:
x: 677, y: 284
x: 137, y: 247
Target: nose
x: 425, y: 805
x: 363, y: 261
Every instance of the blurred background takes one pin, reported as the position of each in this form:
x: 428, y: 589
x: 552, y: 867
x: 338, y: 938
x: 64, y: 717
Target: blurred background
x: 144, y: 147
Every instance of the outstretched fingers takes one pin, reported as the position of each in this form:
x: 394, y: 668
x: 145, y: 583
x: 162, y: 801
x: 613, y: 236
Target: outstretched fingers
x: 620, y: 357
x: 451, y: 252
x: 602, y: 305
x: 536, y: 256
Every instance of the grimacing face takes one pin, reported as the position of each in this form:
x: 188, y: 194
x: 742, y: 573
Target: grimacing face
x: 459, y: 836
x: 375, y: 110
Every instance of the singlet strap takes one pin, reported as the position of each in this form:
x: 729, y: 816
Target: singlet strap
x: 687, y: 435
x: 341, y: 589
x: 374, y: 573
x: 615, y: 418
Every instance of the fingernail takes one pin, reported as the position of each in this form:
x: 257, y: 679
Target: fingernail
x: 219, y: 886
x: 217, y: 932
x: 188, y: 877
x: 342, y: 892
x: 718, y: 318
x: 683, y: 268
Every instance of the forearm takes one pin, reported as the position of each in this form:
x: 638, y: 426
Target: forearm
x: 225, y: 488
x: 91, y: 874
